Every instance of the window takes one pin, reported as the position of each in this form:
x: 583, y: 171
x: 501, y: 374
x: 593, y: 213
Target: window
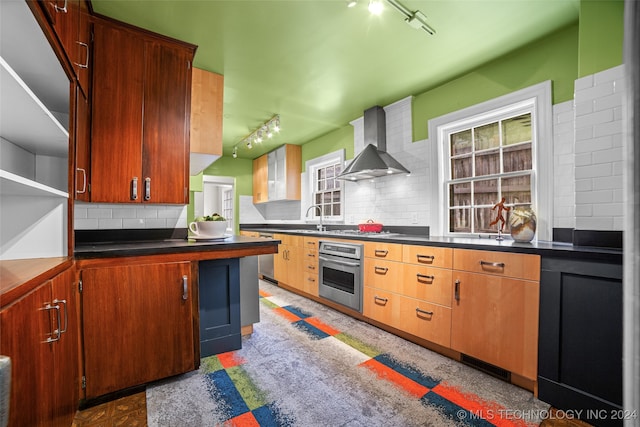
x: 227, y: 207
x: 488, y: 162
x: 326, y: 190
x: 502, y: 147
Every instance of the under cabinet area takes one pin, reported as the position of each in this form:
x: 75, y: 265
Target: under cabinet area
x: 140, y: 116
x: 40, y: 335
x: 143, y: 314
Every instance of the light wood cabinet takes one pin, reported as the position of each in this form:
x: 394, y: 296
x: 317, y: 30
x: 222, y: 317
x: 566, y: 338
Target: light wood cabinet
x: 384, y: 251
x: 429, y: 256
x: 140, y: 117
x: 494, y: 317
x: 282, y: 175
x: 427, y: 283
x: 206, y: 119
x: 426, y: 320
x: 128, y: 309
x: 260, y: 184
x: 288, y: 263
x: 40, y: 335
x: 310, y: 264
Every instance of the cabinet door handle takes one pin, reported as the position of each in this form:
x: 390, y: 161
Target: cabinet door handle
x: 420, y: 311
x: 456, y: 290
x: 147, y: 188
x: 66, y: 315
x: 381, y: 270
x: 381, y: 252
x: 383, y: 300
x: 311, y: 279
x: 311, y: 255
x: 492, y: 264
x: 86, y: 58
x: 185, y: 287
x: 425, y: 258
x: 84, y: 181
x: 56, y: 333
x: 423, y: 278
x: 311, y: 267
x: 62, y: 9
x: 134, y: 188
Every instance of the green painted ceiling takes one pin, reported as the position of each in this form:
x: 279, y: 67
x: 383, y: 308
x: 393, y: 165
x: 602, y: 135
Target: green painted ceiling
x: 320, y: 64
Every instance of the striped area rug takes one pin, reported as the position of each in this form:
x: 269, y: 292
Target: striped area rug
x: 308, y: 365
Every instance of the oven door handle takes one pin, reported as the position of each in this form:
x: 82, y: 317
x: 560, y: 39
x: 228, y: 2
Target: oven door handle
x: 349, y: 264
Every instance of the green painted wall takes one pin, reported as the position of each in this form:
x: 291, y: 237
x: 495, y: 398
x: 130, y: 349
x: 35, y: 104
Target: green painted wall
x: 339, y: 139
x: 553, y: 58
x: 601, y: 35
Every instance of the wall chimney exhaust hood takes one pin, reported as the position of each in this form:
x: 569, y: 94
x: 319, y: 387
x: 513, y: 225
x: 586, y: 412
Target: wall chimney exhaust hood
x: 373, y: 161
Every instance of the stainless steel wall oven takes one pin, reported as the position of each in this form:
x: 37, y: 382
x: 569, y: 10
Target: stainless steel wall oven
x: 341, y: 271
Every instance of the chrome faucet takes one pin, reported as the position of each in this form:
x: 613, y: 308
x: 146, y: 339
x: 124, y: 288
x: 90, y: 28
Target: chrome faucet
x: 319, y: 208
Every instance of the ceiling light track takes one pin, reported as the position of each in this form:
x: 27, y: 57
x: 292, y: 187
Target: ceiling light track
x: 415, y: 19
x: 265, y: 130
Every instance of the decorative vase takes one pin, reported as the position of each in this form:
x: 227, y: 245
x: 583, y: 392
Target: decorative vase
x: 522, y: 223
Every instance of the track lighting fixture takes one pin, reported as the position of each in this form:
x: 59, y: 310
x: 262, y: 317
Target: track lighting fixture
x: 415, y: 19
x: 375, y: 7
x: 268, y: 129
x: 351, y: 3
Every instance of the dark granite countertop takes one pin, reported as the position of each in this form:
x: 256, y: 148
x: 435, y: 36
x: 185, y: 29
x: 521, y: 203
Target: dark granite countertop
x: 115, y: 245
x: 546, y: 249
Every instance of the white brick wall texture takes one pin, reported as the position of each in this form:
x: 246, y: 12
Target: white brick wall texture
x: 598, y: 154
x: 564, y: 160
x: 98, y: 216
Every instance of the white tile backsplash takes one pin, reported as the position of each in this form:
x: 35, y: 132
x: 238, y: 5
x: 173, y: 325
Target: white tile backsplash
x: 105, y: 216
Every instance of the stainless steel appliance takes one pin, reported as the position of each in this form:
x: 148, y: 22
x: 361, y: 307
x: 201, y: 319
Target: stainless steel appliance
x: 265, y: 262
x: 341, y: 271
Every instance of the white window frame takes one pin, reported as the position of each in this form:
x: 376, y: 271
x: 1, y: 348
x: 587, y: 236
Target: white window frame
x: 312, y: 167
x: 537, y: 98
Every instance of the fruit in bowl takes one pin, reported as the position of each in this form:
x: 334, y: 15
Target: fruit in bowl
x: 209, y: 226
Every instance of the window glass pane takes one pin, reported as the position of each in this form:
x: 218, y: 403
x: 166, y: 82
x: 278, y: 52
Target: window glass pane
x: 321, y: 184
x: 517, y: 158
x: 486, y: 136
x: 461, y: 142
x: 336, y: 196
x: 338, y: 169
x: 488, y: 163
x: 517, y: 189
x: 326, y: 210
x: 483, y: 218
x: 336, y: 209
x: 460, y: 220
x: 321, y: 173
x: 516, y: 129
x: 461, y: 167
x: 485, y: 192
x: 330, y: 172
x: 318, y: 198
x: 460, y: 194
x: 326, y: 197
x: 329, y: 184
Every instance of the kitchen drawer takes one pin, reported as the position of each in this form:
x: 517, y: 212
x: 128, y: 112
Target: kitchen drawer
x: 428, y: 255
x: 428, y: 284
x: 383, y: 274
x: 310, y: 261
x: 521, y: 266
x: 311, y: 243
x: 380, y: 305
x: 386, y: 251
x: 290, y: 239
x: 310, y: 283
x: 429, y: 321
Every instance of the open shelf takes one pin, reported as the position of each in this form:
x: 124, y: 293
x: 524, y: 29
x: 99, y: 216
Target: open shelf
x: 16, y: 185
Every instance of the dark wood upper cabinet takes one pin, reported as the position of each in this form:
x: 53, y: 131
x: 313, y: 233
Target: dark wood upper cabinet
x: 140, y: 116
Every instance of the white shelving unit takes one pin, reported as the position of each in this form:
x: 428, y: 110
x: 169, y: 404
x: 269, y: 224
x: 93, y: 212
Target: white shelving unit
x: 34, y: 145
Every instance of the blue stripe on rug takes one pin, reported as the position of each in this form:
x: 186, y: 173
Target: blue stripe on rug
x: 453, y: 411
x: 314, y: 333
x: 270, y: 416
x: 228, y: 393
x: 297, y: 311
x: 407, y: 370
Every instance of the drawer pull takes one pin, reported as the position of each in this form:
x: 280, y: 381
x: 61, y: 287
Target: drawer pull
x: 381, y: 252
x: 381, y: 270
x: 311, y: 255
x: 420, y: 311
x: 185, y: 287
x: 310, y: 279
x: 383, y: 300
x: 456, y: 290
x: 492, y: 264
x: 423, y: 278
x: 426, y: 258
x: 311, y: 267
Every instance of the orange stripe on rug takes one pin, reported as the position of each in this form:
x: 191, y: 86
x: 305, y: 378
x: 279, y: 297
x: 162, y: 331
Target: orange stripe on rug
x: 244, y: 420
x: 230, y: 359
x: 386, y: 373
x: 286, y: 314
x: 322, y: 326
x: 264, y: 293
x: 491, y: 411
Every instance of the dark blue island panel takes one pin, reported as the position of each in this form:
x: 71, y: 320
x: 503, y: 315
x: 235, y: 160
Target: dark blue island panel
x: 219, y: 289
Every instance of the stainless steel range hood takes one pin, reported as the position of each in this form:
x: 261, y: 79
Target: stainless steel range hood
x: 373, y: 161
